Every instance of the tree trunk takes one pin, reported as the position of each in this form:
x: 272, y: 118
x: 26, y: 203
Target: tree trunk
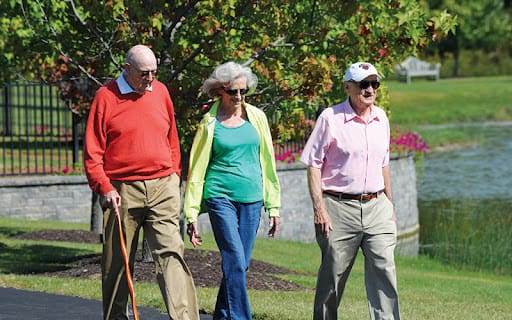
x: 96, y: 214
x: 456, y: 59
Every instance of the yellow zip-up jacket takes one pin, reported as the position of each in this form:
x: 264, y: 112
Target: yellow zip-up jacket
x: 200, y: 157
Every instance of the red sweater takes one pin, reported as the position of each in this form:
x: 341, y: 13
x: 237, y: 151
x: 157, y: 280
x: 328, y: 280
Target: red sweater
x: 130, y: 137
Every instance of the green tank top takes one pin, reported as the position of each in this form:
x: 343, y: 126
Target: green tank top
x: 234, y: 171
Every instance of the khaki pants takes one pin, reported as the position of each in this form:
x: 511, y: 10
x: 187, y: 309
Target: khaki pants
x: 155, y: 206
x: 367, y: 225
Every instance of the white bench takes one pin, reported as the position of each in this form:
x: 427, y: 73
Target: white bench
x: 414, y: 67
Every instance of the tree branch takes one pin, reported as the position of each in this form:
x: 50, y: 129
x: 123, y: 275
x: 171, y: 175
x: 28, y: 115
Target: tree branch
x: 263, y: 50
x: 59, y: 47
x: 106, y: 45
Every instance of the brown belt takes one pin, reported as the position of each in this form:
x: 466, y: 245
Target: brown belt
x: 348, y: 196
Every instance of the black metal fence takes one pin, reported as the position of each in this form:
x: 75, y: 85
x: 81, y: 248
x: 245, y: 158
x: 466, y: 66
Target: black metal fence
x: 40, y: 135
x: 38, y: 132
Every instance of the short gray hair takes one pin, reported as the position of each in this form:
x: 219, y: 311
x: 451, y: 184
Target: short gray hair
x: 225, y: 74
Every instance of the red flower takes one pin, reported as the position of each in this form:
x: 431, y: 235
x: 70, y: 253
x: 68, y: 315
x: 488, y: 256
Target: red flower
x: 383, y: 52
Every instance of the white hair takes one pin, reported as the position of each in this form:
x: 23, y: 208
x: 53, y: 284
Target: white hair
x: 224, y: 76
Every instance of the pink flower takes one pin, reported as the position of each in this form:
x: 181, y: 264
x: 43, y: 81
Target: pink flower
x: 288, y: 157
x: 407, y: 142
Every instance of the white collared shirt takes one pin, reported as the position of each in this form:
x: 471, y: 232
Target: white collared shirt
x: 125, y: 87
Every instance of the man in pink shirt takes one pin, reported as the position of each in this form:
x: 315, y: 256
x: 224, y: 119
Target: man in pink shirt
x: 347, y: 156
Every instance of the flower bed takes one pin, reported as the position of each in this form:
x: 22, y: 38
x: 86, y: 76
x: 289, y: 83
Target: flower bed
x: 405, y: 142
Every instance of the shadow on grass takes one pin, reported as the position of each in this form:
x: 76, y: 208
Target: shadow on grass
x: 11, y: 231
x: 22, y: 258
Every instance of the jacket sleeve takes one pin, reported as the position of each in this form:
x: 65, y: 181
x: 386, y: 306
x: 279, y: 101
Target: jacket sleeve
x: 199, y: 157
x: 271, y: 186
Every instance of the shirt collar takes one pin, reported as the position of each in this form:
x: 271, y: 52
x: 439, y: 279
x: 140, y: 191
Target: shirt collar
x: 351, y: 115
x: 124, y: 86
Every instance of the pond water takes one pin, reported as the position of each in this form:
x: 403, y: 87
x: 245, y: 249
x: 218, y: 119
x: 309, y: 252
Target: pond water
x: 482, y: 172
x: 465, y: 203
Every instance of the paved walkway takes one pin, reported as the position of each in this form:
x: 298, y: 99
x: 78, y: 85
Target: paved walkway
x: 21, y: 304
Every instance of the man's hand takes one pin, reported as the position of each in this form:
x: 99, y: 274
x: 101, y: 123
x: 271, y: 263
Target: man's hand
x: 193, y: 234
x: 322, y: 219
x: 274, y: 224
x: 323, y: 222
x: 112, y: 200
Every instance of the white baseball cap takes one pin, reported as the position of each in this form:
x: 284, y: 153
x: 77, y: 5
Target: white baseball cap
x: 359, y: 71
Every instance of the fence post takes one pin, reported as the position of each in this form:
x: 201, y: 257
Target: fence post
x: 7, y: 113
x: 75, y: 122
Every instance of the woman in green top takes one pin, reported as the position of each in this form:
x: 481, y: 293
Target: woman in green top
x: 232, y: 171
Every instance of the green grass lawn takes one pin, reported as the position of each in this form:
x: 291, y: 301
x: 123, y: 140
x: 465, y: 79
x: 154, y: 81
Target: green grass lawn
x: 453, y: 102
x: 428, y: 289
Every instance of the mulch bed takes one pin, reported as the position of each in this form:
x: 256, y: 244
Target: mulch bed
x: 205, y: 265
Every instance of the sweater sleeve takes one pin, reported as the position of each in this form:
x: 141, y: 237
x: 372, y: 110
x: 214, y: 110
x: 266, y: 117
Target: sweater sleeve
x: 173, y: 138
x: 95, y: 144
x: 271, y: 186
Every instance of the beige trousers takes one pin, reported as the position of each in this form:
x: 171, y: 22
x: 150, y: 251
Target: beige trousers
x: 153, y: 205
x: 358, y: 224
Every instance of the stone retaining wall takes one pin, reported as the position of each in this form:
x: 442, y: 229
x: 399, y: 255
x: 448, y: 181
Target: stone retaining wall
x: 65, y: 198
x: 68, y: 198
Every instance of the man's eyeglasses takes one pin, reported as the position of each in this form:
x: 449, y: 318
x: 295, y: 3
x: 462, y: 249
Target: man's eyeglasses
x: 365, y: 84
x: 144, y: 74
x: 234, y: 92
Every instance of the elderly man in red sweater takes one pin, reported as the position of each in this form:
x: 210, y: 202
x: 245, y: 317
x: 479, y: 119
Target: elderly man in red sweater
x: 132, y: 159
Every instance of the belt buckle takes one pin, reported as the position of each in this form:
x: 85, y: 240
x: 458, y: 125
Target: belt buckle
x: 366, y: 197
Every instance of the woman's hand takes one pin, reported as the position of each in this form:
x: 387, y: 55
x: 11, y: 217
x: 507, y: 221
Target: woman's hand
x: 274, y: 226
x: 193, y: 234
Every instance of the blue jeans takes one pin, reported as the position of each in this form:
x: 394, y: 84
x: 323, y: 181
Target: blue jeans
x: 234, y: 226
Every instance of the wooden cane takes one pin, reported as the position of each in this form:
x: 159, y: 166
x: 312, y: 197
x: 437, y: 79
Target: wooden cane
x: 126, y: 264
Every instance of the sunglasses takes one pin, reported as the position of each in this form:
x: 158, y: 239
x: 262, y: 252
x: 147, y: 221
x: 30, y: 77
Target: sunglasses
x: 144, y: 74
x: 365, y: 84
x: 232, y: 92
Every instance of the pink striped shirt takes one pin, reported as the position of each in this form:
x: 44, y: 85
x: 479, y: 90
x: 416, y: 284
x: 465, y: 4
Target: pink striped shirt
x: 350, y: 152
